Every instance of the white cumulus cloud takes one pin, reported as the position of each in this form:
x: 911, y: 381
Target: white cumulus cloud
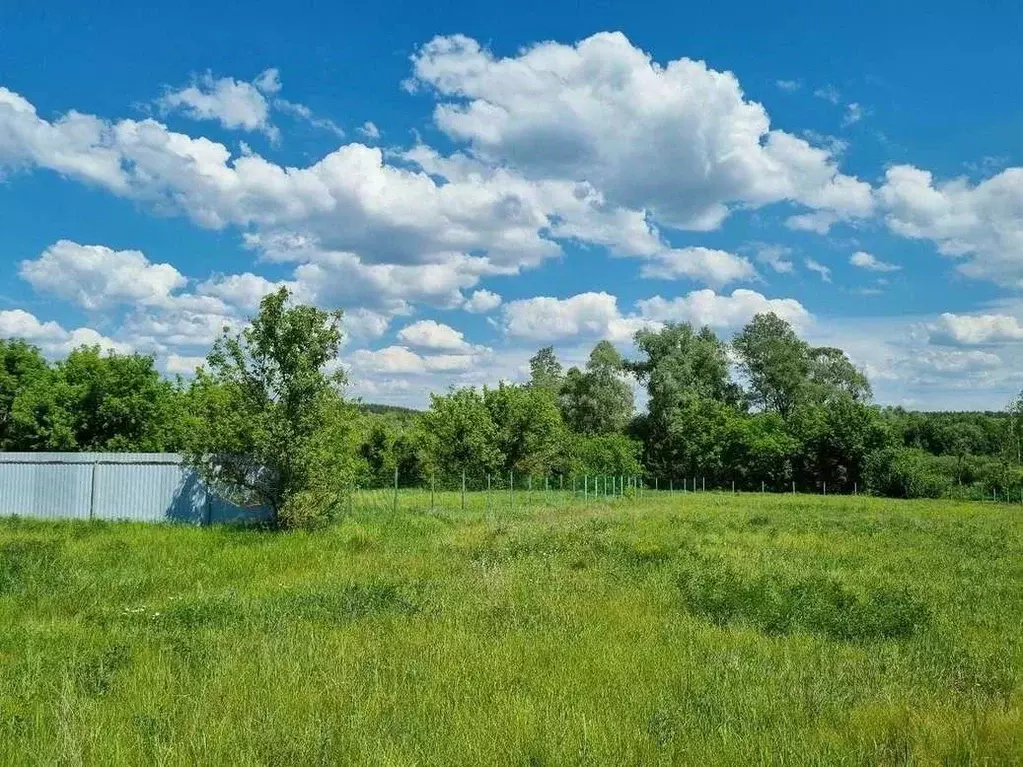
x: 678, y: 139
x: 871, y: 263
x: 95, y: 276
x: 975, y: 329
x: 714, y: 267
x: 435, y: 336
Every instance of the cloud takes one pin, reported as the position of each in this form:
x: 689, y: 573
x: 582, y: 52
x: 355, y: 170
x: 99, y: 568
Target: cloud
x: 818, y: 268
x: 980, y: 225
x: 775, y: 256
x: 865, y: 260
x: 944, y: 361
x: 400, y: 360
x: 236, y: 105
x: 435, y: 336
x: 302, y: 112
x: 588, y: 315
x: 369, y: 130
x: 727, y: 312
x: 678, y: 140
x: 828, y: 93
x: 242, y: 291
x: 975, y: 330
x: 819, y: 222
x: 97, y: 277
x: 714, y: 267
x: 350, y: 200
x: 175, y: 364
x: 789, y: 86
x: 481, y: 302
x: 51, y: 338
x: 853, y: 114
x: 596, y: 315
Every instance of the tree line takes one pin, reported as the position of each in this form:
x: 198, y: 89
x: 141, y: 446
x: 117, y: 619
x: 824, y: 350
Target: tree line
x: 267, y: 419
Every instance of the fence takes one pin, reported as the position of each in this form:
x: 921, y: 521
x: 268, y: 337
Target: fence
x: 157, y: 487
x: 144, y: 487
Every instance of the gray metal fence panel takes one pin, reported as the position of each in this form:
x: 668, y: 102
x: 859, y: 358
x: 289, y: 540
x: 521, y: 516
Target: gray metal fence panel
x: 144, y: 487
x: 47, y: 490
x: 148, y: 492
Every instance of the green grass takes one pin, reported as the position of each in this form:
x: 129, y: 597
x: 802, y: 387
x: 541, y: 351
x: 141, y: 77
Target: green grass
x: 706, y: 629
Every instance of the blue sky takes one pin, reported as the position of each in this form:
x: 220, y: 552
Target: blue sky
x: 470, y: 182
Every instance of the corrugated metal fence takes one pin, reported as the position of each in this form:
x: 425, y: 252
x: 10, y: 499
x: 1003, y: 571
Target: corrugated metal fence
x: 144, y: 487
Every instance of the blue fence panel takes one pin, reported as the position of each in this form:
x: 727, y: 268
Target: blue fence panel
x: 47, y: 490
x: 144, y: 487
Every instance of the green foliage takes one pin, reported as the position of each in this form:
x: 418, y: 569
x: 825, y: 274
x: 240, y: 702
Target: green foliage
x: 775, y: 361
x: 605, y: 454
x: 461, y: 435
x: 545, y: 371
x: 598, y: 400
x: 21, y: 364
x: 904, y: 473
x: 530, y: 432
x: 268, y: 422
x: 97, y: 402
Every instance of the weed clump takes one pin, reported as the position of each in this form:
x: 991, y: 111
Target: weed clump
x: 776, y: 604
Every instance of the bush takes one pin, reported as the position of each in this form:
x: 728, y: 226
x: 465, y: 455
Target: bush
x: 905, y: 473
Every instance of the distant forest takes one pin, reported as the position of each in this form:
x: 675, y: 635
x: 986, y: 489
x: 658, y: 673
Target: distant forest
x: 762, y: 409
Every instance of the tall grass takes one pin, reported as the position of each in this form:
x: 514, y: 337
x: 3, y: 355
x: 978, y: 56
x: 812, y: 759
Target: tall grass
x: 710, y: 628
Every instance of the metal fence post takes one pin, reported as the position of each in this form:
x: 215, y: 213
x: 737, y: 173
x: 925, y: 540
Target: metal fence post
x: 92, y: 490
x: 463, y: 489
x: 433, y: 489
x: 395, y: 508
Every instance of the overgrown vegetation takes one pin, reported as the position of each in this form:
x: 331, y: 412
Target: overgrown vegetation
x: 267, y: 422
x: 707, y: 628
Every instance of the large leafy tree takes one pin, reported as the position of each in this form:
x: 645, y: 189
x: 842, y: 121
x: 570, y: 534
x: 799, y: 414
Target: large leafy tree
x: 98, y: 402
x: 775, y: 361
x: 545, y: 370
x: 691, y: 399
x: 461, y: 435
x: 598, y: 400
x: 270, y: 421
x: 21, y: 365
x: 530, y: 431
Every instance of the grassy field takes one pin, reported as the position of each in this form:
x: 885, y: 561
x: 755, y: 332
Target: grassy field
x: 706, y: 629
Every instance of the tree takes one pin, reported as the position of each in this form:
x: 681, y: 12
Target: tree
x: 775, y: 361
x: 530, y: 432
x: 21, y: 364
x: 545, y: 371
x: 832, y: 375
x: 691, y: 400
x: 98, y: 402
x: 598, y: 401
x: 268, y: 415
x: 461, y: 436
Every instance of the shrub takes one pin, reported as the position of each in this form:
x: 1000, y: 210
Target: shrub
x: 905, y: 473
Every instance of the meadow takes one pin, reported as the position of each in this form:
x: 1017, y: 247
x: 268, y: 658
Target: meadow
x: 710, y: 628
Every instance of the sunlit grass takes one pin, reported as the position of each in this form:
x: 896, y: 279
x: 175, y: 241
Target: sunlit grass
x: 704, y: 628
